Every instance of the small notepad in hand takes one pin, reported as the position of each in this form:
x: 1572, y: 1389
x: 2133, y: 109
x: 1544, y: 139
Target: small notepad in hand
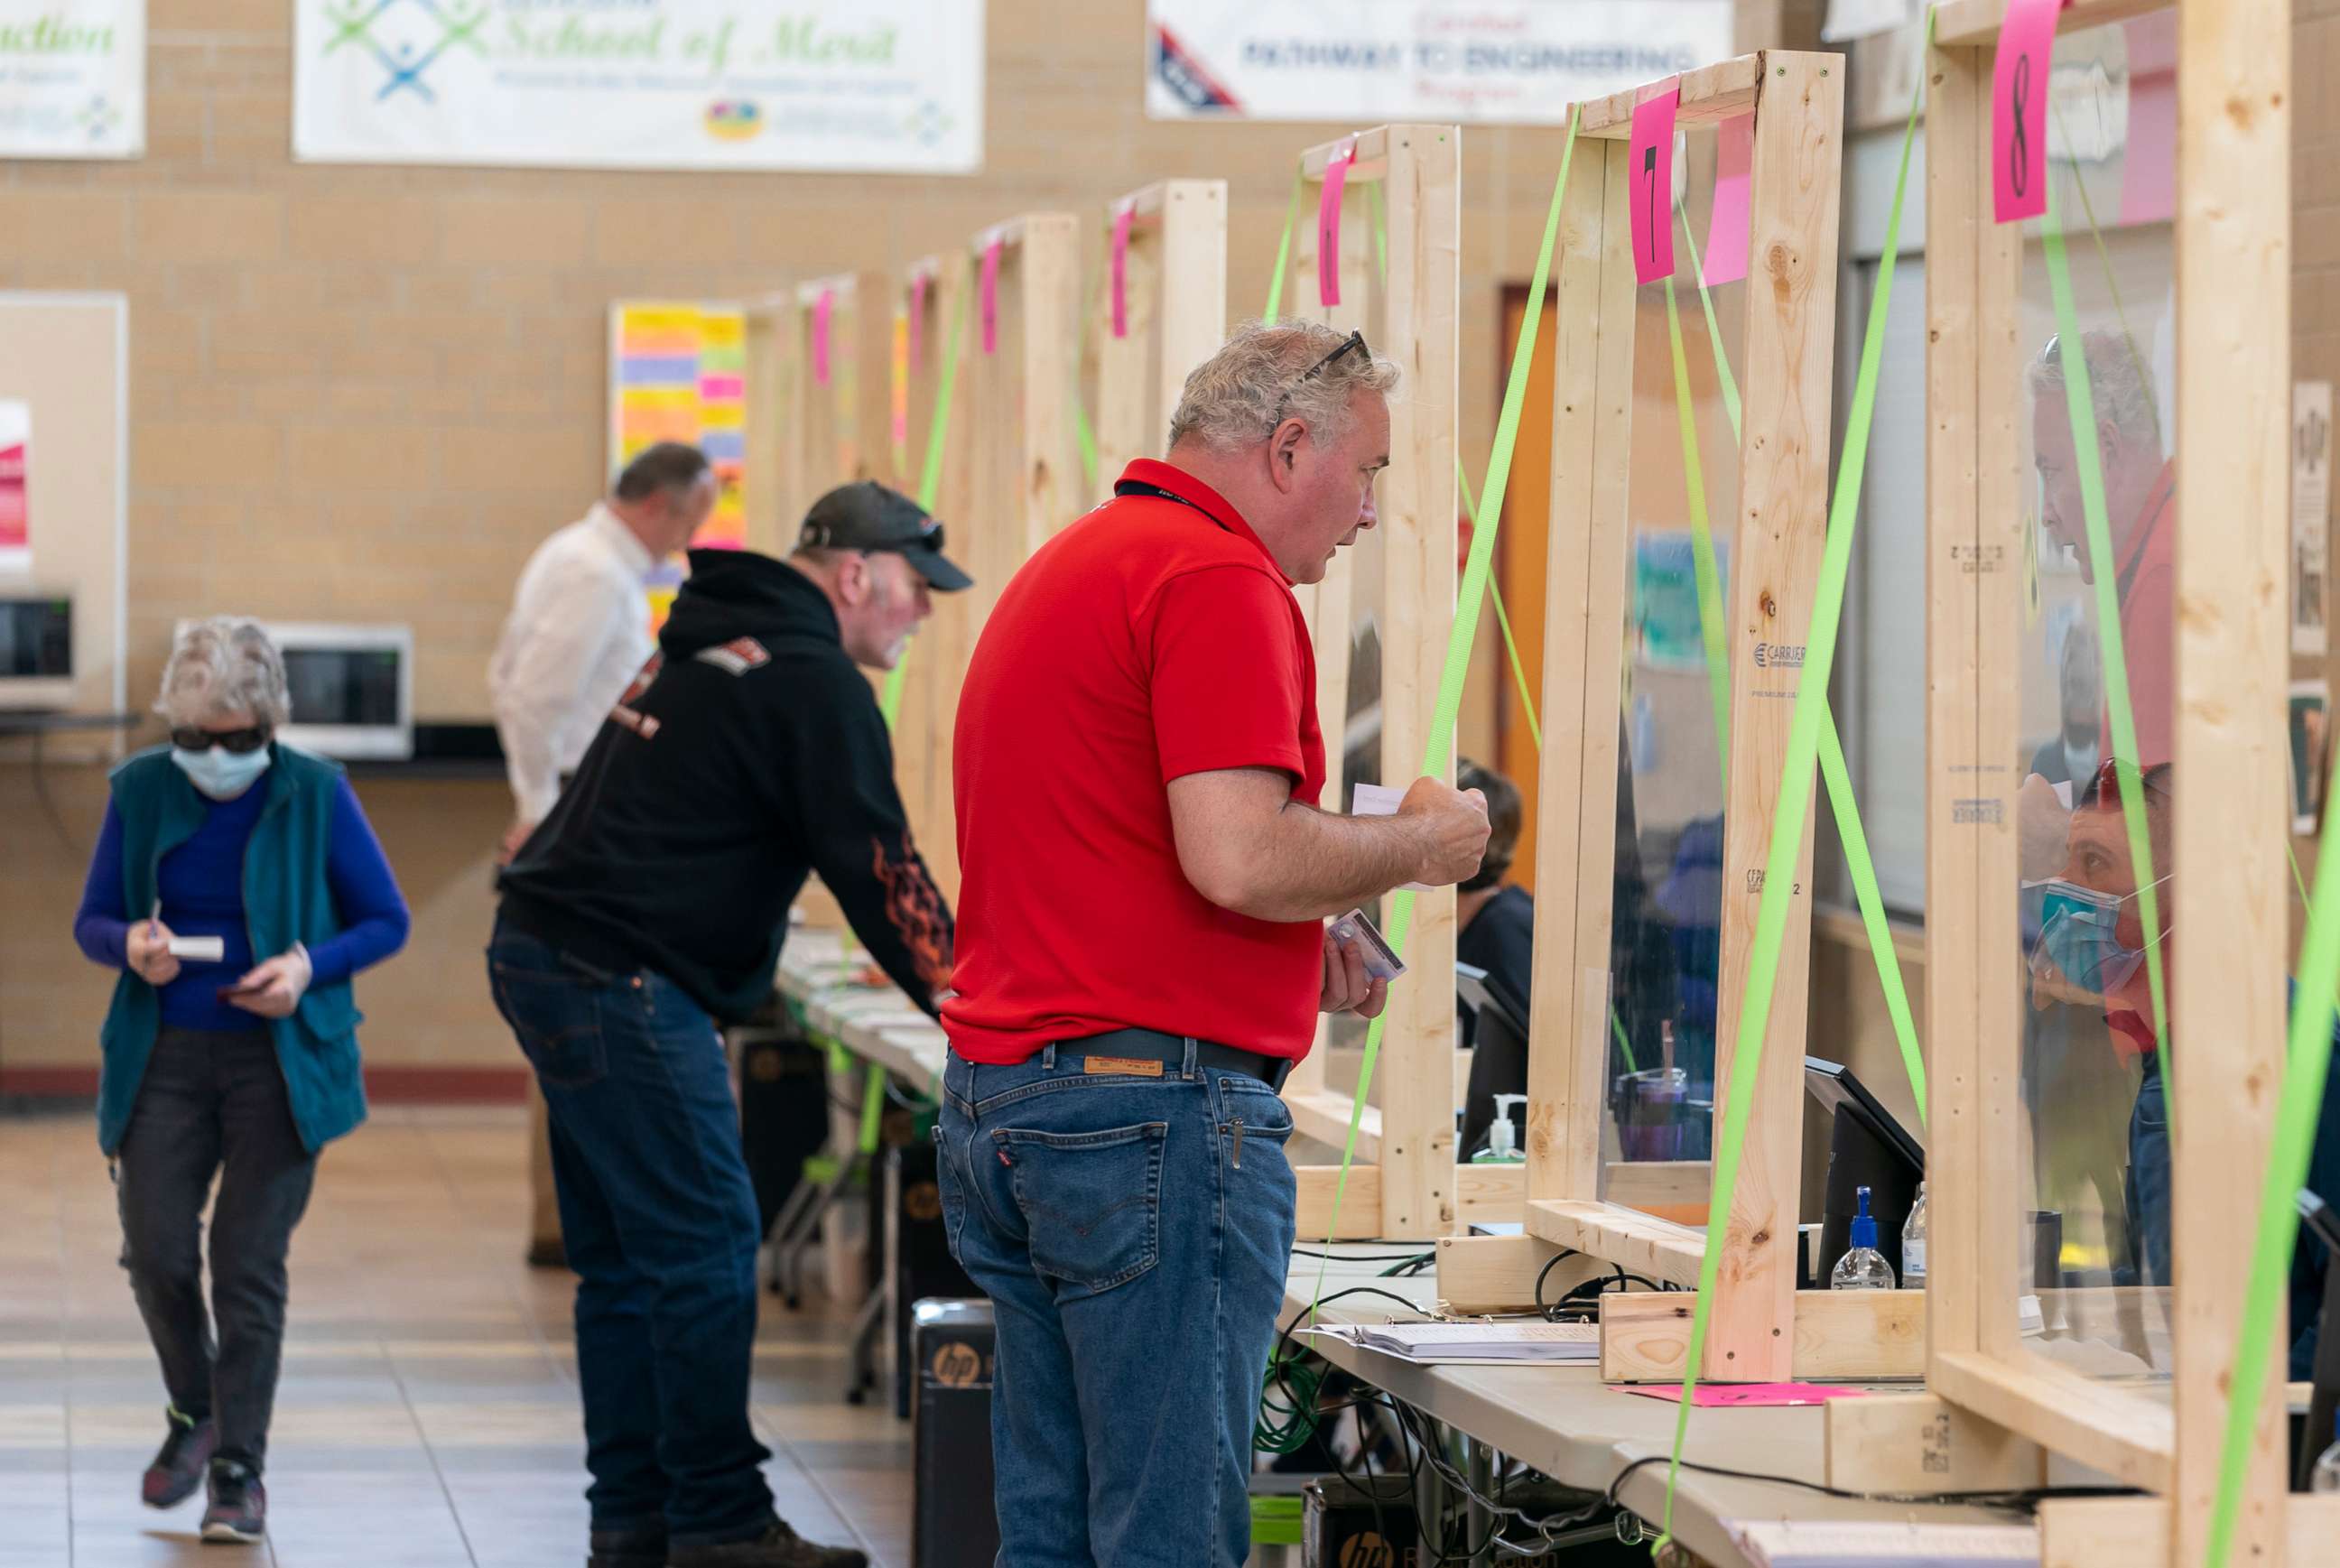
x: 1380, y: 801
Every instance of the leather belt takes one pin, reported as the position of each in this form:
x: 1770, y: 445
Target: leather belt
x: 1170, y: 1050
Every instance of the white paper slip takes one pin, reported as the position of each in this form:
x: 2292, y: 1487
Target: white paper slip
x: 1504, y: 1343
x: 1842, y: 1544
x: 200, y: 949
x: 1380, y: 801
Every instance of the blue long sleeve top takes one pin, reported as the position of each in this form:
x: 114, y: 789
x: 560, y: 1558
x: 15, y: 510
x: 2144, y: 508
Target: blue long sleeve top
x: 201, y: 887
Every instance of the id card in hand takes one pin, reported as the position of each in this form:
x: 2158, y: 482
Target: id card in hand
x: 1382, y: 961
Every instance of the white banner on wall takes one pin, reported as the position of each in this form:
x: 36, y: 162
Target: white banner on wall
x: 889, y: 86
x: 1505, y: 62
x: 73, y: 78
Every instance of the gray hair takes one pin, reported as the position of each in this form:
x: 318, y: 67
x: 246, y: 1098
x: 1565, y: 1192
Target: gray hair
x: 1260, y: 377
x: 223, y: 665
x: 2119, y: 385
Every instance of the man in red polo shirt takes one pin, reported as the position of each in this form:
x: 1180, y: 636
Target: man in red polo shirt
x: 1142, y: 951
x: 2141, y: 513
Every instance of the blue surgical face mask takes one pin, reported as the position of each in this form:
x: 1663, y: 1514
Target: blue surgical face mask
x: 2076, y: 935
x: 219, y: 772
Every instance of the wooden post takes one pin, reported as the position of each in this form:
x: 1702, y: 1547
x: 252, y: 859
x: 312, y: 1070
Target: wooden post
x: 1176, y: 299
x: 772, y: 459
x: 846, y: 414
x: 1797, y: 100
x: 938, y: 655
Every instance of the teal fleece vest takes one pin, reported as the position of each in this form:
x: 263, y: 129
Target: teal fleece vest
x: 286, y: 899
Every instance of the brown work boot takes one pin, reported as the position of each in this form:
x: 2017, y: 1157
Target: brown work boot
x: 777, y: 1547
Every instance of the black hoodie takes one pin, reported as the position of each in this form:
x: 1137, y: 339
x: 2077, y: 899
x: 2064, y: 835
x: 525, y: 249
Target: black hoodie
x: 749, y: 752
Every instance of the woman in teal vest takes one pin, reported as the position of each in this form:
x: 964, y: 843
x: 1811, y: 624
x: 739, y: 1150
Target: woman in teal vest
x: 237, y: 887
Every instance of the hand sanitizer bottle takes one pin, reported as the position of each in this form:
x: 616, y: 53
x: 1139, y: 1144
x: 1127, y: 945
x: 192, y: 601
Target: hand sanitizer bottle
x: 1913, y: 1245
x: 1502, y: 1135
x: 1864, y: 1267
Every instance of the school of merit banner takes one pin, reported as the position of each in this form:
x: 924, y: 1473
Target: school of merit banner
x: 1365, y: 61
x: 73, y: 78
x: 892, y: 85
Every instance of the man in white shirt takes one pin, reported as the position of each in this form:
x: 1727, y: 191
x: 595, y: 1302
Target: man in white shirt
x: 579, y: 633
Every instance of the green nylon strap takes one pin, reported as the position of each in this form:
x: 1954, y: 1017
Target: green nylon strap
x: 1834, y: 774
x: 930, y: 483
x: 1713, y: 329
x: 2307, y: 1064
x: 873, y: 1107
x: 1701, y: 535
x: 1381, y: 224
x: 1083, y: 433
x: 1441, y: 742
x: 1284, y: 246
x: 2079, y: 401
x: 1789, y: 822
x: 1502, y: 620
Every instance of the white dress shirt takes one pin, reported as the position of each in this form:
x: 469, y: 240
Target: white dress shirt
x: 579, y: 633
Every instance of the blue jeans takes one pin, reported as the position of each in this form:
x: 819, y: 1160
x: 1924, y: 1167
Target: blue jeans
x: 1133, y: 1233
x: 660, y: 1218
x: 2148, y: 1177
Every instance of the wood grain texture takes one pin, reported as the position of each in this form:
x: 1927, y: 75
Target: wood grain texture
x: 1974, y: 23
x: 1576, y: 808
x: 1500, y: 1273
x: 1642, y: 1244
x: 1710, y: 95
x: 1864, y: 1335
x: 1782, y: 521
x: 2127, y: 1435
x: 2226, y: 990
x: 938, y: 656
x: 2125, y: 1532
x: 1915, y: 1444
x: 1420, y: 301
x: 1176, y: 299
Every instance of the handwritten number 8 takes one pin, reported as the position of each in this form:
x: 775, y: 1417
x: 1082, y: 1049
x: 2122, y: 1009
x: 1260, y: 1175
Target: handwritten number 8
x: 2018, y: 140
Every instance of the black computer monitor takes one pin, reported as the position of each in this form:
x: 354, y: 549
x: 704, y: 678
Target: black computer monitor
x: 1499, y: 1053
x: 1867, y: 1147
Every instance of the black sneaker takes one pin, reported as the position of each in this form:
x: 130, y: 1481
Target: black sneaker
x: 777, y: 1547
x: 239, y: 1503
x: 643, y: 1546
x: 178, y: 1467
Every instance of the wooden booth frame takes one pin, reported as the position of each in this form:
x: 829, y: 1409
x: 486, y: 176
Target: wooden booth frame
x: 1404, y: 1181
x: 1174, y: 316
x: 1576, y: 1200
x: 2226, y: 996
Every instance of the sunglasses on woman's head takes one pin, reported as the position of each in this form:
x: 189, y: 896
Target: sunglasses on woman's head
x: 237, y: 740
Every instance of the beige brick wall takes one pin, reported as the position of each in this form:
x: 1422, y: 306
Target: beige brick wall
x: 368, y: 393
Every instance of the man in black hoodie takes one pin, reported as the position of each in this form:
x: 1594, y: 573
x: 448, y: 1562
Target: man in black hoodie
x: 652, y: 902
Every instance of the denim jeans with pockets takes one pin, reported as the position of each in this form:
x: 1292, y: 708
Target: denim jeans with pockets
x: 1134, y: 1233
x: 659, y: 1220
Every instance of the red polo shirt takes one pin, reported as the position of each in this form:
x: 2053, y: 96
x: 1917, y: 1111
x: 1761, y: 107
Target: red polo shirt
x: 1153, y: 638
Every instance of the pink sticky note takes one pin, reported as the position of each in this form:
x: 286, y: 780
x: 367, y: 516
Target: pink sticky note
x: 1720, y: 1395
x: 917, y: 313
x: 988, y: 297
x: 1726, y: 227
x: 822, y: 309
x: 2149, y: 168
x: 1328, y: 222
x: 1121, y: 217
x: 2019, y: 110
x: 1651, y: 171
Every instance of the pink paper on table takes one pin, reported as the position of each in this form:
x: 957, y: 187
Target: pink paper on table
x: 917, y: 313
x: 1121, y: 217
x: 989, y: 292
x: 1649, y: 168
x: 1328, y: 222
x: 1719, y: 1395
x: 2019, y: 110
x: 823, y: 309
x: 2149, y: 168
x: 1726, y: 226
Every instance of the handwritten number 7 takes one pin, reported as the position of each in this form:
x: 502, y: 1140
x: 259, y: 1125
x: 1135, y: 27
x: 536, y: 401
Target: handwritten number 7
x: 1649, y: 171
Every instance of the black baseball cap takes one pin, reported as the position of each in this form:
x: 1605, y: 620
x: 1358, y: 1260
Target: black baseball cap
x: 869, y: 516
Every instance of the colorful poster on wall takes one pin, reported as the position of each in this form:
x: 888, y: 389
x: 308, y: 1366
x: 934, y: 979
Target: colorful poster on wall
x: 1509, y: 62
x: 678, y: 372
x: 15, y: 494
x: 73, y: 78
x: 861, y: 86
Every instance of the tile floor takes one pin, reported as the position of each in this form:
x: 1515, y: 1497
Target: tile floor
x: 428, y: 1413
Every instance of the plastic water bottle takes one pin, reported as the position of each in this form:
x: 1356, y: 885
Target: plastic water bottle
x: 1913, y: 1245
x: 1864, y: 1267
x: 2325, y: 1476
